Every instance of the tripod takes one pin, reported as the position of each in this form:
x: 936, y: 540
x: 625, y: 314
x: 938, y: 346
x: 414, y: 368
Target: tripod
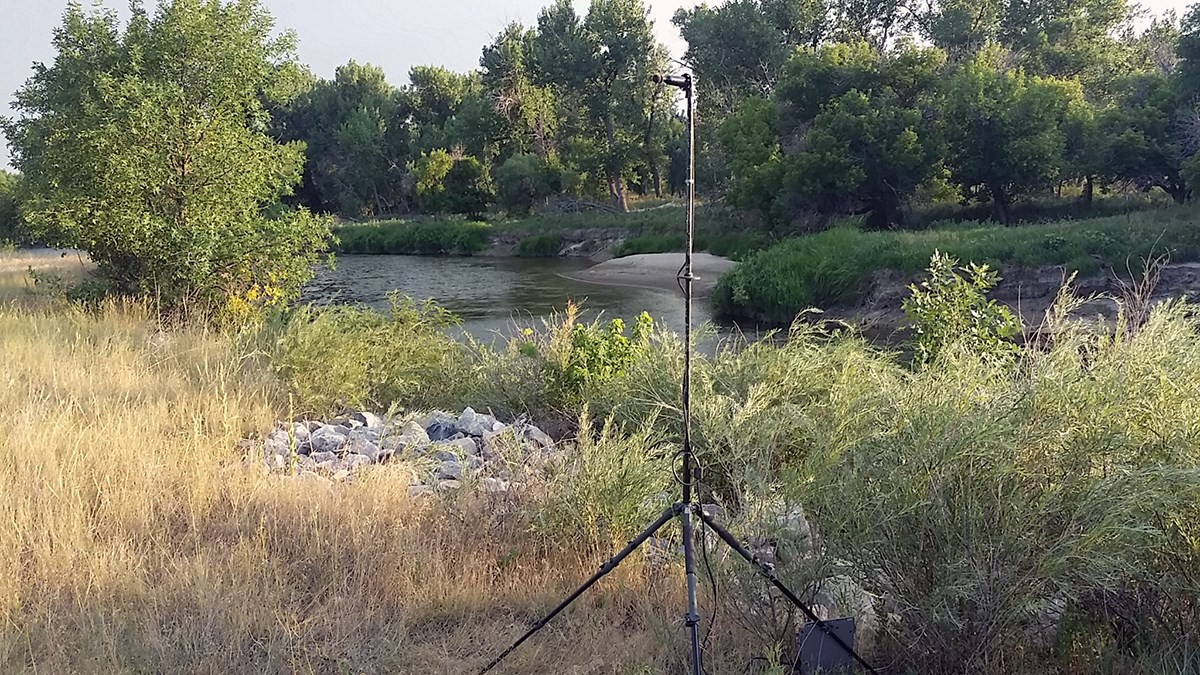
x: 688, y: 476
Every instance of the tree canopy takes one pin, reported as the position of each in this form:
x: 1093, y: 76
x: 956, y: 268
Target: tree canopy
x: 148, y: 148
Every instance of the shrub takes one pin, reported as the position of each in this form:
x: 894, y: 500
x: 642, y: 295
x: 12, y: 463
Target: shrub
x: 341, y: 358
x: 951, y: 309
x: 524, y: 180
x: 834, y: 268
x: 540, y: 245
x: 418, y: 237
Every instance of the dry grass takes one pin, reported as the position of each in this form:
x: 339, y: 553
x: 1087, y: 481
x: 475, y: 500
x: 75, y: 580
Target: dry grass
x: 132, y: 540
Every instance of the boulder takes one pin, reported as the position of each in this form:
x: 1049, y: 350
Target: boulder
x: 329, y: 438
x: 408, y: 435
x: 450, y: 470
x: 440, y: 431
x: 840, y: 596
x: 324, y: 460
x: 371, y: 434
x: 463, y: 446
x: 300, y: 431
x: 494, y: 485
x: 477, y: 424
x: 353, y: 461
x: 361, y: 447
x: 538, y: 437
x: 368, y: 419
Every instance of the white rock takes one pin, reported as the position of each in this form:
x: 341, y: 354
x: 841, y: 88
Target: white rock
x: 329, y: 438
x: 354, y: 461
x: 341, y: 475
x: 368, y: 419
x: 475, y: 424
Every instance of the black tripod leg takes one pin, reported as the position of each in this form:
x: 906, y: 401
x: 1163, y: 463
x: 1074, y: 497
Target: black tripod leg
x: 769, y: 574
x: 608, y: 566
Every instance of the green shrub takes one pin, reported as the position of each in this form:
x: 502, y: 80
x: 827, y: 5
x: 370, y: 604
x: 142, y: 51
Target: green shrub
x: 650, y: 243
x: 417, y: 237
x: 950, y: 308
x: 834, y: 268
x: 342, y: 358
x: 524, y: 180
x: 540, y: 245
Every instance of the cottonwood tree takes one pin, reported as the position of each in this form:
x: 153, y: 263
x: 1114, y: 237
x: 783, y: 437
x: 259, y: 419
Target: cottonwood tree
x: 148, y: 148
x: 1007, y: 132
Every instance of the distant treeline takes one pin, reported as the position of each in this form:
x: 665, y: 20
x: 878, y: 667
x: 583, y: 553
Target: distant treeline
x: 808, y: 109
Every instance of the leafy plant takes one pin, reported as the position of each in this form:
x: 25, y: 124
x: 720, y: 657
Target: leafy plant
x: 166, y: 180
x: 951, y: 309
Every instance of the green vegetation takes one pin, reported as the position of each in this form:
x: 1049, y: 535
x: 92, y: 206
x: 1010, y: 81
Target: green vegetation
x: 833, y: 268
x: 950, y: 310
x: 1045, y: 468
x: 12, y: 230
x: 415, y: 237
x: 183, y: 214
x: 540, y: 245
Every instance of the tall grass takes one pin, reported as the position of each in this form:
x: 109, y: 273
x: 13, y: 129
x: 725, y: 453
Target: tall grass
x: 835, y: 266
x: 426, y: 236
x: 1035, y: 517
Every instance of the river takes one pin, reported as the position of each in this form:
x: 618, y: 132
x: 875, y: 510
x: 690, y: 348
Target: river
x: 491, y: 295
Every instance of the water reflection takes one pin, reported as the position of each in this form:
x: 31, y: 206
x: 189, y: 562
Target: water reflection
x: 489, y: 294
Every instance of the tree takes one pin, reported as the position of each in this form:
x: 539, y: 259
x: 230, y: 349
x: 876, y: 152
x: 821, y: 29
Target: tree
x: 148, y: 149
x: 599, y: 69
x: 1142, y: 139
x: 522, y: 181
x: 1006, y: 132
x: 357, y: 140
x: 11, y: 229
x: 860, y: 128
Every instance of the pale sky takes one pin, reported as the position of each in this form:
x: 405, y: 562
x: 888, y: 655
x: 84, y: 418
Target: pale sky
x: 392, y: 34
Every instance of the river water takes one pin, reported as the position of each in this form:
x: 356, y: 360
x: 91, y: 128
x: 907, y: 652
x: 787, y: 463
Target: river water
x: 492, y: 295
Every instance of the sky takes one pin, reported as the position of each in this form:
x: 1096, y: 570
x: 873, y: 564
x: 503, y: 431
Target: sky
x: 392, y: 34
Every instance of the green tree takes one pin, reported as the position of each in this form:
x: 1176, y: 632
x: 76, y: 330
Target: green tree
x: 358, y: 142
x: 1007, y: 133
x: 11, y: 229
x: 524, y: 180
x: 148, y: 149
x: 600, y: 68
x: 1141, y: 137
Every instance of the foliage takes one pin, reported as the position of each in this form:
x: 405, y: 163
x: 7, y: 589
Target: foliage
x: 415, y: 237
x: 351, y: 358
x: 523, y: 181
x: 11, y: 228
x: 145, y: 147
x: 1007, y: 131
x: 950, y: 310
x: 835, y: 268
x: 540, y: 245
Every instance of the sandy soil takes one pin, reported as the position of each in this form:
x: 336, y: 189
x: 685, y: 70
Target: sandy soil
x: 657, y: 271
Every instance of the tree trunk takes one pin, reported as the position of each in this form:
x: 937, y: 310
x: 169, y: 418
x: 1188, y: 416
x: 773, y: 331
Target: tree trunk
x: 616, y: 187
x: 656, y: 177
x: 1089, y: 190
x: 1000, y: 203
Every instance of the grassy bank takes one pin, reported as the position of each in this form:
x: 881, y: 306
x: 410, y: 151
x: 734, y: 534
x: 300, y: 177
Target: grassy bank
x: 1034, y: 515
x: 832, y: 268
x: 651, y: 230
